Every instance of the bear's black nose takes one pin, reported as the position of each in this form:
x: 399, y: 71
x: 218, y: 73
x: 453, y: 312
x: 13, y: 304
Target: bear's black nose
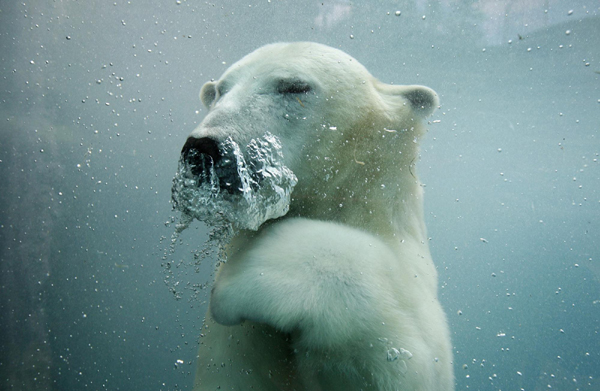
x: 200, y: 153
x: 195, y: 147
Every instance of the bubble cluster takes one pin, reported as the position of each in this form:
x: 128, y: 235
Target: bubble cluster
x: 265, y: 185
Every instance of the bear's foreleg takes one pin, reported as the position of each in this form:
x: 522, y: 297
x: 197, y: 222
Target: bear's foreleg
x: 321, y: 278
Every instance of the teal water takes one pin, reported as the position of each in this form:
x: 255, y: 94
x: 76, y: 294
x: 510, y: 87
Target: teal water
x: 98, y: 99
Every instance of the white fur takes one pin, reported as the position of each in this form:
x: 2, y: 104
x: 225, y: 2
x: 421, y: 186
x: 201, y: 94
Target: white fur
x: 340, y: 294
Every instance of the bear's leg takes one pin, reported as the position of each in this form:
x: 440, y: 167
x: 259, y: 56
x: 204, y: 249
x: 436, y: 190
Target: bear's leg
x: 305, y: 274
x: 326, y: 284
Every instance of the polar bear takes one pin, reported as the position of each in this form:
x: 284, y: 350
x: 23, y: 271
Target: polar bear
x: 340, y: 293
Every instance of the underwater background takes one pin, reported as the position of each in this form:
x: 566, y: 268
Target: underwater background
x: 97, y: 99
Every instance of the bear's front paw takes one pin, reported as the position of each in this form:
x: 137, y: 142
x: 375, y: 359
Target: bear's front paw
x: 224, y: 310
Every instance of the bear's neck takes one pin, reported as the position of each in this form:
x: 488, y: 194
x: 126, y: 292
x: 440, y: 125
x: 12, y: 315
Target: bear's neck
x: 389, y: 206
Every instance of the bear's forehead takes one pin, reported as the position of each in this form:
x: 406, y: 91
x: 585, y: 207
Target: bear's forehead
x: 297, y: 59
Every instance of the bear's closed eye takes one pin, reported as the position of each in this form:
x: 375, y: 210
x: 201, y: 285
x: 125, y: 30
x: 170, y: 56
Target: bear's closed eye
x: 293, y: 86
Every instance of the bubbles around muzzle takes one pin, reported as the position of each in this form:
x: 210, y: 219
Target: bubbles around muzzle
x: 219, y: 181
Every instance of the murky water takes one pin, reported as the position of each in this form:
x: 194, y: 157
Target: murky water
x: 94, y: 116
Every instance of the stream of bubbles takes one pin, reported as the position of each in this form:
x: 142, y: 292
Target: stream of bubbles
x: 266, y: 184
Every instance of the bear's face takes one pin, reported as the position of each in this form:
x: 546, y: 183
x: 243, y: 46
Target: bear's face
x: 292, y: 93
x: 332, y: 119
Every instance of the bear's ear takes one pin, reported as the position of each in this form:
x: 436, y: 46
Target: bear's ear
x: 423, y: 100
x: 208, y: 93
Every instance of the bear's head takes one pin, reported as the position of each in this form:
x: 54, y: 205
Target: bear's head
x: 313, y: 115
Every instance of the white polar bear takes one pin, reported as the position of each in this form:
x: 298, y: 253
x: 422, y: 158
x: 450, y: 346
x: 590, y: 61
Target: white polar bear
x: 341, y: 292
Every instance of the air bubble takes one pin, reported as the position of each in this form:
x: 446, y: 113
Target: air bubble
x: 393, y: 354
